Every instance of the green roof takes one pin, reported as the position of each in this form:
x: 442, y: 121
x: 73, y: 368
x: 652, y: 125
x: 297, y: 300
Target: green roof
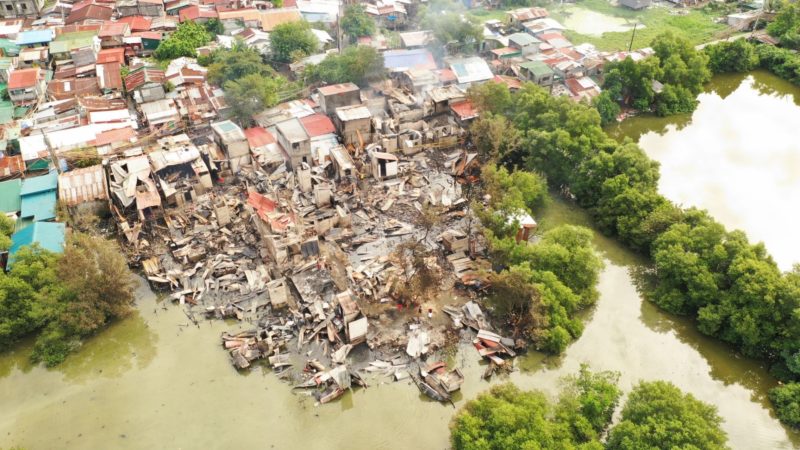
x: 6, y: 110
x: 10, y: 199
x: 71, y: 41
x: 537, y: 68
x: 9, y: 47
x: 523, y: 39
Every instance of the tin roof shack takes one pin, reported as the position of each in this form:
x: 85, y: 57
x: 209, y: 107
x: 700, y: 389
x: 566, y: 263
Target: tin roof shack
x: 48, y: 235
x: 160, y: 113
x: 295, y: 142
x: 525, y: 43
x: 26, y: 86
x: 525, y: 222
x: 355, y: 125
x: 343, y: 164
x: 445, y: 96
x: 471, y: 70
x: 519, y: 16
x: 537, y: 72
x: 402, y: 60
x: 338, y: 95
x: 11, y: 166
x: 130, y: 181
x: 38, y: 198
x: 232, y: 139
x: 264, y: 147
x: 464, y: 112
x: 146, y: 84
x: 147, y: 8
x: 84, y: 189
x: 383, y: 165
x: 181, y: 172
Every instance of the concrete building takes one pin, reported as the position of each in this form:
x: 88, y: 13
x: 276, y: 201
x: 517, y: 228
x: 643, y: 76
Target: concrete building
x: 25, y: 86
x: 295, y: 142
x: 338, y: 95
x: 537, y: 72
x: 20, y: 8
x: 232, y: 139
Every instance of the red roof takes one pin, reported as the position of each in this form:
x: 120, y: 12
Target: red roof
x: 195, y: 12
x: 317, y: 125
x: 465, y: 110
x: 137, y: 23
x: 337, y: 89
x: 155, y: 35
x: 511, y: 82
x: 445, y: 75
x: 108, y: 55
x: 113, y: 29
x: 109, y: 76
x: 91, y: 12
x: 258, y: 137
x: 117, y: 135
x: 142, y: 76
x: 262, y: 204
x: 11, y: 165
x: 23, y: 78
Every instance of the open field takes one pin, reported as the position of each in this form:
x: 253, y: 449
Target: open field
x: 696, y: 25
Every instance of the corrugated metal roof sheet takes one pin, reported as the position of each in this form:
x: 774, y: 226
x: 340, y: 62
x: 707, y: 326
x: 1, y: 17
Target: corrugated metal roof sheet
x: 354, y: 112
x: 82, y: 185
x: 39, y: 206
x: 42, y: 183
x: 34, y: 37
x: 49, y: 236
x: 317, y: 125
x: 9, y: 196
x: 258, y: 137
x: 292, y: 130
x: 337, y: 89
x: 23, y: 78
x: 11, y: 165
x: 401, y: 60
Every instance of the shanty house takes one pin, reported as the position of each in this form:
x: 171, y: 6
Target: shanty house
x: 519, y: 16
x: 26, y: 86
x: 525, y: 43
x: 180, y: 170
x: 338, y: 95
x: 295, y: 142
x: 383, y: 165
x: 38, y: 198
x: 147, y: 8
x: 402, y: 60
x: 471, y: 70
x: 146, y: 84
x: 21, y: 8
x: 537, y: 72
x: 354, y: 124
x: 83, y: 188
x: 34, y: 38
x: 10, y: 199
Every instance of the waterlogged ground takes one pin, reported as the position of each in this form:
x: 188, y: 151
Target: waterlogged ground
x: 593, y: 23
x: 738, y: 156
x: 154, y: 381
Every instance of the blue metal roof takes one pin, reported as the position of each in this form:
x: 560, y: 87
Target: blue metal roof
x: 49, y: 236
x: 34, y: 37
x: 39, y: 206
x: 408, y: 59
x: 33, y: 185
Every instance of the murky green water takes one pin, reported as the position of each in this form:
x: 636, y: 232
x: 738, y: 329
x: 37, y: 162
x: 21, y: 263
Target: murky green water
x: 738, y: 156
x: 154, y: 381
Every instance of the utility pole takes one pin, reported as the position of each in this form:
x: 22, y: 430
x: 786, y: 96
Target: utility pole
x: 630, y: 46
x: 52, y: 152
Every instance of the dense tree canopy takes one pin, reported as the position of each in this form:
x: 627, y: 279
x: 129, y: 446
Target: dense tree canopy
x: 6, y: 230
x: 786, y: 26
x: 63, y: 298
x: 252, y: 94
x: 506, y: 417
x: 232, y: 64
x: 291, y: 41
x: 183, y: 42
x: 786, y: 399
x: 657, y: 415
x: 736, y: 56
x: 355, y: 22
x: 358, y: 65
x: 454, y: 30
x: 666, y: 83
x: 490, y: 97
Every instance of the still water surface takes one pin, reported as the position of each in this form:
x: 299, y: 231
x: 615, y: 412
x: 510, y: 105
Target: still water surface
x: 737, y: 155
x: 153, y: 381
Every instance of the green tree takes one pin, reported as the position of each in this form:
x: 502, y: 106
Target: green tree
x: 786, y: 400
x: 6, y: 230
x: 506, y: 417
x: 452, y: 29
x: 358, y: 65
x: 658, y: 415
x: 214, y: 26
x: 252, y: 94
x: 233, y: 64
x: 493, y: 136
x: 490, y: 97
x: 736, y: 56
x: 510, y: 193
x: 183, y: 42
x: 355, y: 22
x: 786, y: 26
x: 607, y: 107
x: 288, y: 40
